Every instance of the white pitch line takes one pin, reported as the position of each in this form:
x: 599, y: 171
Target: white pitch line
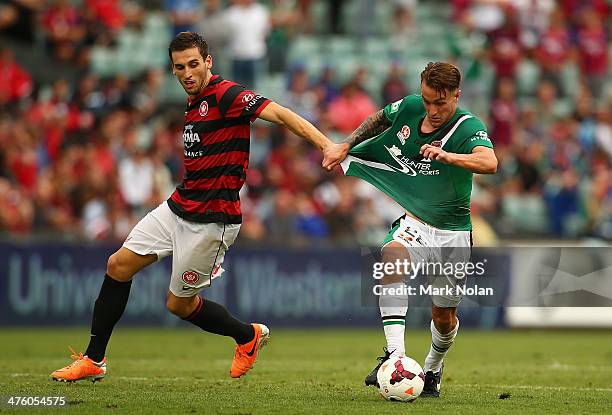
x: 592, y: 368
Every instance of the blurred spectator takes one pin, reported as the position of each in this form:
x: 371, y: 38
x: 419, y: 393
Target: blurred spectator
x: 147, y: 97
x: 593, y: 51
x: 64, y: 30
x: 118, y: 92
x: 554, y: 50
x: 394, y: 87
x: 305, y: 9
x: 483, y: 15
x: 17, y: 210
x: 52, y: 207
x: 300, y: 97
x: 104, y: 19
x: 135, y: 174
x: 260, y: 144
x: 467, y: 49
x: 562, y: 198
x: 308, y: 221
x: 350, y: 108
x: 528, y: 167
x: 338, y: 199
x: 22, y: 158
x: 404, y: 31
x: 584, y: 115
x: 325, y: 87
x: 184, y: 14
x: 283, y: 20
x: 599, y: 203
x: 134, y: 16
x: 573, y: 9
x: 504, y: 113
x: 280, y: 167
x: 505, y: 46
x: 533, y: 19
x: 15, y: 82
x: 95, y: 220
x: 89, y: 96
x: 212, y: 27
x: 282, y: 220
x: 248, y: 25
x: 603, y: 130
x: 530, y: 130
x: 549, y: 106
x: 460, y: 9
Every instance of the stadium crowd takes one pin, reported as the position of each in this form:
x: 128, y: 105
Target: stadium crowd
x: 87, y: 157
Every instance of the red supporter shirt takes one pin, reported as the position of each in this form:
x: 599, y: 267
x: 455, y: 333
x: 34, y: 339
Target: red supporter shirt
x: 505, y: 116
x: 216, y: 139
x: 593, y: 49
x: 59, y: 19
x: 15, y: 83
x: 553, y: 50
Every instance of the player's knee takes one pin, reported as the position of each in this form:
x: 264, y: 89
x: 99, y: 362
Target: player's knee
x: 180, y: 307
x: 444, y: 322
x: 174, y: 307
x: 117, y: 268
x: 397, y: 255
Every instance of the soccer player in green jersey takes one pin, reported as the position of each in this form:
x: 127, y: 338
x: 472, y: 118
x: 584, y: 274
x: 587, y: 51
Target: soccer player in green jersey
x: 422, y: 151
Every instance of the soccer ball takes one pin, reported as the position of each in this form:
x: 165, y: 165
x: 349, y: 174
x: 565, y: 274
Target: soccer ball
x: 400, y: 379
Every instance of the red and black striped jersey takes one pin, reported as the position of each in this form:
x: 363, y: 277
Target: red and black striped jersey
x: 216, y: 140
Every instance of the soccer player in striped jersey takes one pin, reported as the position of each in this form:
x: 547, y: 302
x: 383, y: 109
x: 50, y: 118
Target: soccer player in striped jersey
x: 201, y: 219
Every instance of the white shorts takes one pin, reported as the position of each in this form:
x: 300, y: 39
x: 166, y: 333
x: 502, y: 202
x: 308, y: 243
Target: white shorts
x: 434, y: 246
x: 197, y: 249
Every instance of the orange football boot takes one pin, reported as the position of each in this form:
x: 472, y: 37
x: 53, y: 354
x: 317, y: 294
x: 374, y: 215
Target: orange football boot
x: 83, y: 368
x: 246, y: 354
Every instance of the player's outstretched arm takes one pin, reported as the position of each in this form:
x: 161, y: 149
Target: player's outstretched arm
x: 372, y: 126
x: 482, y: 160
x: 333, y: 154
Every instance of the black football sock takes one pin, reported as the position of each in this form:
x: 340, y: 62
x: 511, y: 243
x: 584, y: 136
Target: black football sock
x: 108, y: 309
x: 214, y: 318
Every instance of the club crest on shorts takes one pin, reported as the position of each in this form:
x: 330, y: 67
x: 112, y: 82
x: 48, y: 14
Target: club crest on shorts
x: 203, y: 109
x: 190, y: 277
x: 403, y: 134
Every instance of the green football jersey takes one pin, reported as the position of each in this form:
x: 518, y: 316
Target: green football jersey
x: 435, y: 192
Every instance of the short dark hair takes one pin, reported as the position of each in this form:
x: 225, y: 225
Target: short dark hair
x: 441, y: 76
x: 188, y: 40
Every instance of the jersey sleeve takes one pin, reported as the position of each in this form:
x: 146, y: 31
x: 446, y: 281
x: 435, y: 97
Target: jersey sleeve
x: 407, y: 106
x: 477, y: 135
x: 392, y: 109
x: 239, y: 102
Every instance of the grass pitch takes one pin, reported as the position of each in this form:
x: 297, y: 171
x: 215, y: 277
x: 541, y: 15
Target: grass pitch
x: 177, y: 371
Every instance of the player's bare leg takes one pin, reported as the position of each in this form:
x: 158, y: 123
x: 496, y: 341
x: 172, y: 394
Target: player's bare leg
x: 108, y: 309
x: 393, y: 309
x: 215, y: 318
x: 124, y: 264
x: 444, y: 327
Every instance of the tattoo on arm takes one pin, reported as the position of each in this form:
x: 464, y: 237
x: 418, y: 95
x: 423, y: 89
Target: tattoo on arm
x: 372, y: 126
